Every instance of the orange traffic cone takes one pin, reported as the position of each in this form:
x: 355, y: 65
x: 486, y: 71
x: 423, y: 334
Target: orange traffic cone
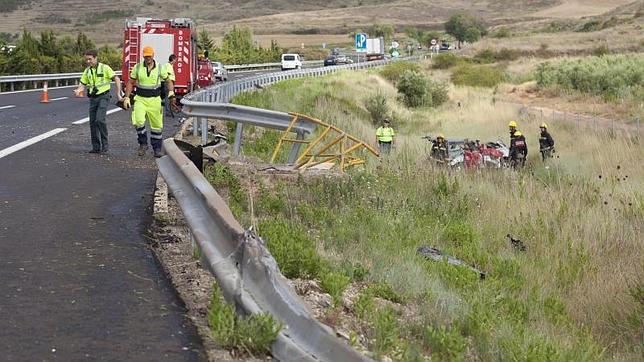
x: 44, y: 97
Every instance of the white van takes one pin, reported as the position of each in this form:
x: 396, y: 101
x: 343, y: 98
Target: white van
x: 291, y: 61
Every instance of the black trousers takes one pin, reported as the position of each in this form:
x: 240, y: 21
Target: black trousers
x: 97, y: 123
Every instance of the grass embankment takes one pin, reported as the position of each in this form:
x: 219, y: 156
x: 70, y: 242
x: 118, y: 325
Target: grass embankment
x: 576, y: 294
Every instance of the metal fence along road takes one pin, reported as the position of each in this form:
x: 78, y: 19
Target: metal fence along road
x: 247, y: 274
x: 16, y: 82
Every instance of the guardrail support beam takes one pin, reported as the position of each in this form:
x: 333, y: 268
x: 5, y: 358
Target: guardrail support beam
x: 238, y: 137
x: 295, y: 149
x: 204, y: 130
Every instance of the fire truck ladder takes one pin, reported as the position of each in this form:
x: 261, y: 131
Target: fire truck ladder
x: 133, y: 40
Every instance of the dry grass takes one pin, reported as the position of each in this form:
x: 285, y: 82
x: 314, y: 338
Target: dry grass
x: 294, y: 41
x: 282, y: 17
x: 583, y: 231
x: 580, y: 8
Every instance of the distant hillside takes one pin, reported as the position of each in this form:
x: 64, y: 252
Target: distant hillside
x: 103, y: 19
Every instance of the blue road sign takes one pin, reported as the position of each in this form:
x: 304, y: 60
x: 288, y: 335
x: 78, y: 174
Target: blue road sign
x: 361, y: 41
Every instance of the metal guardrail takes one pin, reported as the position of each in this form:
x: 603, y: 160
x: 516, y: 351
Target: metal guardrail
x: 38, y: 78
x: 212, y: 101
x: 246, y: 272
x: 56, y: 77
x: 277, y: 65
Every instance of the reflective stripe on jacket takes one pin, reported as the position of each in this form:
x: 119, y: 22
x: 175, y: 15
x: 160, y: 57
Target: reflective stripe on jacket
x: 148, y: 82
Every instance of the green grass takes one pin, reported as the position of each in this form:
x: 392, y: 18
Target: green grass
x: 561, y: 300
x: 477, y: 75
x: 614, y: 77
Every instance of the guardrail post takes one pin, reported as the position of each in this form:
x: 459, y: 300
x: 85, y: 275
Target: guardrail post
x: 204, y: 130
x: 195, y: 126
x: 238, y: 136
x: 295, y: 149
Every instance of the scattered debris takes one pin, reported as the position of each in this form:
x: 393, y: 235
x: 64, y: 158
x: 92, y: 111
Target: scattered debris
x: 434, y: 254
x: 516, y: 243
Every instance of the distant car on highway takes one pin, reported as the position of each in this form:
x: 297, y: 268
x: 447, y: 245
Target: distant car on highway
x: 291, y: 61
x: 219, y: 71
x: 337, y: 60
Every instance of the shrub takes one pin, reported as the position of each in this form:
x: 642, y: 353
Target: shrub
x: 491, y: 56
x: 413, y: 88
x: 477, y: 75
x: 610, y: 76
x: 437, y: 92
x: 377, y: 107
x: 502, y: 33
x: 364, y: 305
x: 446, y: 61
x: 417, y: 90
x: 592, y: 25
x: 334, y: 283
x: 253, y: 334
x: 447, y: 343
x: 393, y: 71
x: 601, y: 50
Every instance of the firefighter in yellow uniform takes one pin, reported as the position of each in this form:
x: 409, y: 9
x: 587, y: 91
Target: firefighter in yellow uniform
x: 147, y: 77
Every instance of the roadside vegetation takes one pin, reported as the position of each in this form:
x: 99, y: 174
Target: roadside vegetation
x: 252, y: 335
x: 51, y: 54
x: 575, y: 294
x: 611, y: 76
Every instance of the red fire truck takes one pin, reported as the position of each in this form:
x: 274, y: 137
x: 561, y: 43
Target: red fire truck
x: 167, y: 36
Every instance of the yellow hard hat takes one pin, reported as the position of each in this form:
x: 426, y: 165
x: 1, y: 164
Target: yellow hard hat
x: 543, y: 125
x: 518, y: 133
x: 513, y: 124
x: 148, y: 51
x: 440, y: 135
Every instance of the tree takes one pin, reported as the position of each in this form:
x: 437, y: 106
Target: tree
x: 381, y: 30
x: 204, y: 41
x: 83, y: 43
x: 472, y: 35
x: 458, y: 26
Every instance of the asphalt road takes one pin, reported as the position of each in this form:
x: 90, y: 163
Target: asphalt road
x: 78, y: 281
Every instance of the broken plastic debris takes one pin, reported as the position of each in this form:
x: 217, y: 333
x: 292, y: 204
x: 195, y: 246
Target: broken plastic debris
x: 437, y: 255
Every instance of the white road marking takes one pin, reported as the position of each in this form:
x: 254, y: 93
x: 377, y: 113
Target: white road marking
x: 58, y: 99
x: 7, y: 107
x: 29, y: 142
x: 86, y: 119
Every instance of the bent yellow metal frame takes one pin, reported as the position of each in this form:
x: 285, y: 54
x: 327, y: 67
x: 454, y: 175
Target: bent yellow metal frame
x: 331, y: 138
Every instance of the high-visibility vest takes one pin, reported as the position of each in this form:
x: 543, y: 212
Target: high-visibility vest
x: 148, y: 83
x: 385, y: 134
x: 97, y: 79
x: 170, y: 70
